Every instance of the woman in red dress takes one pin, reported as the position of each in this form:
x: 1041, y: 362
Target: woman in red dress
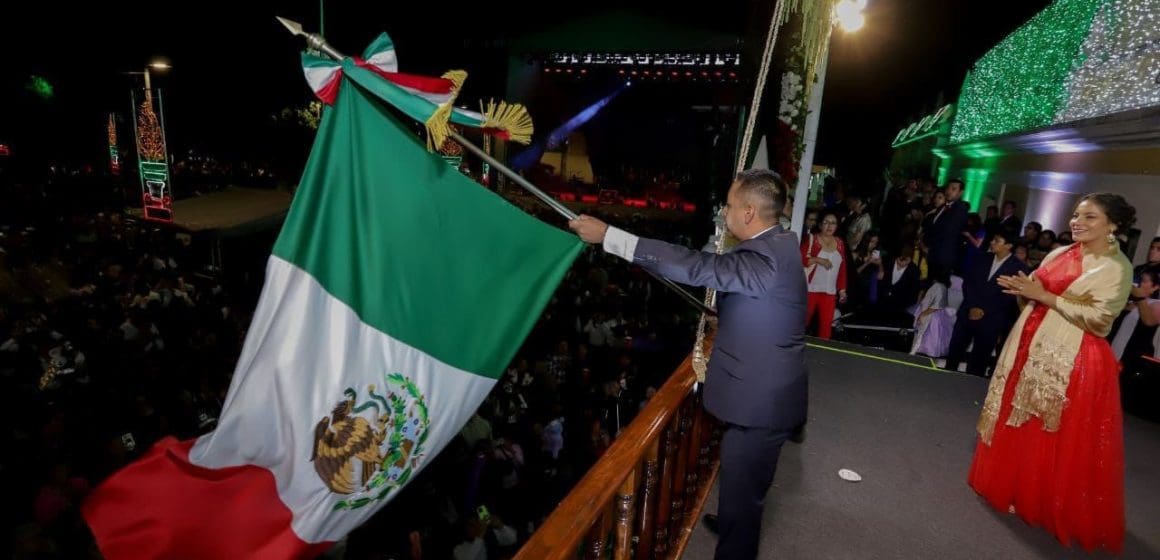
x: 1051, y: 444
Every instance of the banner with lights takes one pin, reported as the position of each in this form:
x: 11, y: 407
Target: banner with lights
x: 646, y: 59
x: 152, y: 158
x: 723, y: 66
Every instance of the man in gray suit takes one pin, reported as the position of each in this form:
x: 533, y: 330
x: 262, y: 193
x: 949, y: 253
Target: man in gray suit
x: 757, y: 381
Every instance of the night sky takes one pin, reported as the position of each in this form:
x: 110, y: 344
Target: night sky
x: 233, y: 65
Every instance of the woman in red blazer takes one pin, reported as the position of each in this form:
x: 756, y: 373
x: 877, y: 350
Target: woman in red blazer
x: 824, y: 257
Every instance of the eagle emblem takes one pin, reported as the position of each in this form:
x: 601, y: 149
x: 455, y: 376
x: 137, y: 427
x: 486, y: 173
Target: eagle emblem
x: 366, y: 450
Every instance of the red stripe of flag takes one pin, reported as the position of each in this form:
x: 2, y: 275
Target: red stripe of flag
x: 163, y: 506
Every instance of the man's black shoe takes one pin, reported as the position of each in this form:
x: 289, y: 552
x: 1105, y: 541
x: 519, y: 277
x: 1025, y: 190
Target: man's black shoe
x: 710, y: 522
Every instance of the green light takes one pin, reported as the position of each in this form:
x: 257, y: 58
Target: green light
x: 944, y: 172
x: 930, y: 125
x: 40, y: 87
x: 1021, y: 83
x: 976, y: 180
x: 980, y: 150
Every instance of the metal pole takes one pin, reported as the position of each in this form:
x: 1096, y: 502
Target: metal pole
x: 810, y: 134
x: 519, y: 180
x: 148, y: 90
x: 565, y: 212
x: 320, y: 44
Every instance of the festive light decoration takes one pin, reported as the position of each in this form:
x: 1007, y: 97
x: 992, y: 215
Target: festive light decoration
x: 1121, y: 62
x: 40, y: 86
x: 451, y: 148
x: 114, y: 154
x: 643, y: 60
x: 149, y: 142
x: 1022, y: 82
x: 818, y: 18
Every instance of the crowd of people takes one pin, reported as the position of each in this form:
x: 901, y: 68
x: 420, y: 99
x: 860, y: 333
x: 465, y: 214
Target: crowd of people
x: 114, y: 334
x: 925, y: 263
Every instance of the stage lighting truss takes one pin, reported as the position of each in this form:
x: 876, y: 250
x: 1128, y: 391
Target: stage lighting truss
x: 719, y: 66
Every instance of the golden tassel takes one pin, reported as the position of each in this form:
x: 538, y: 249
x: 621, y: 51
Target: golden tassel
x: 457, y: 78
x: 511, y: 118
x: 437, y: 128
x: 437, y: 125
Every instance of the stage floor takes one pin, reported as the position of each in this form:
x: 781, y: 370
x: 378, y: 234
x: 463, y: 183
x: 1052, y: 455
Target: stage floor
x: 909, y: 432
x: 232, y: 211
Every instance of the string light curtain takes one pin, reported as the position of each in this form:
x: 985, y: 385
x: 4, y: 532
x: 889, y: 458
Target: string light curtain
x: 1076, y: 59
x: 1021, y: 83
x: 1120, y: 67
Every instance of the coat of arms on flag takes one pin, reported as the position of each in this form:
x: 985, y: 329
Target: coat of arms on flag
x: 380, y: 437
x: 396, y: 294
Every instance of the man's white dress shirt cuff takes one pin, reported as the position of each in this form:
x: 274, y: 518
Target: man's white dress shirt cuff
x: 620, y: 243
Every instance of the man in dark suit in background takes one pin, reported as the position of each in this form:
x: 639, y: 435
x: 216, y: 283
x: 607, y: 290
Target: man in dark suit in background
x: 898, y: 287
x: 756, y: 382
x: 986, y: 312
x: 943, y: 237
x: 1009, y: 222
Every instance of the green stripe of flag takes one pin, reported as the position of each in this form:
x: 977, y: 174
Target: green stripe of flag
x: 419, y: 251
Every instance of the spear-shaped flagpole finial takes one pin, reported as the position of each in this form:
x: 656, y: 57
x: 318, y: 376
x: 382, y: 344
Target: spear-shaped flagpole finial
x: 315, y: 41
x: 293, y: 26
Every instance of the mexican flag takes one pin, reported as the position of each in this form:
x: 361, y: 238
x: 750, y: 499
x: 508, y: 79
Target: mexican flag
x: 396, y: 294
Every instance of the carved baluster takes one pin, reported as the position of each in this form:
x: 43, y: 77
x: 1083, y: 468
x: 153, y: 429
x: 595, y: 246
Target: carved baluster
x: 624, y: 504
x: 711, y: 453
x: 646, y: 522
x: 664, y: 505
x: 598, y: 535
x: 705, y: 459
x: 677, y: 516
x: 693, y: 474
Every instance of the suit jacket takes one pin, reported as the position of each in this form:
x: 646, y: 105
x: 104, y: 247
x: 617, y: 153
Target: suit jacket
x: 757, y: 371
x: 944, y: 234
x: 984, y: 292
x: 901, y: 295
x: 1012, y: 224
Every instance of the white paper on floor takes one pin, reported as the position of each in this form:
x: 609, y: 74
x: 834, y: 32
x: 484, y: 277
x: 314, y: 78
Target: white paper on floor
x: 849, y: 475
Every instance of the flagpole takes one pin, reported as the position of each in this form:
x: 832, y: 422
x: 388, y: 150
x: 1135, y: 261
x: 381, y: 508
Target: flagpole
x: 318, y: 43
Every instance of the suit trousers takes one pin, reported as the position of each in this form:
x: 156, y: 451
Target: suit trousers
x: 985, y: 333
x: 748, y: 462
x: 823, y: 304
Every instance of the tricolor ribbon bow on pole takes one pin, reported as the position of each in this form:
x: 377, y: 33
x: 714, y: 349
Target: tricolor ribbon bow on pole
x: 423, y: 98
x: 431, y: 101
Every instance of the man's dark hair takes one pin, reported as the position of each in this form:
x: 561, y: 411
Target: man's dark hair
x: 766, y: 189
x: 1005, y: 237
x: 1010, y: 203
x: 962, y: 185
x: 1153, y: 274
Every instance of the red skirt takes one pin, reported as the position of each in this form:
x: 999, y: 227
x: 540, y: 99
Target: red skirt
x: 1070, y: 482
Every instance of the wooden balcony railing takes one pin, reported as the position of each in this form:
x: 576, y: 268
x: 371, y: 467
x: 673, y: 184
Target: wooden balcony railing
x: 643, y: 497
